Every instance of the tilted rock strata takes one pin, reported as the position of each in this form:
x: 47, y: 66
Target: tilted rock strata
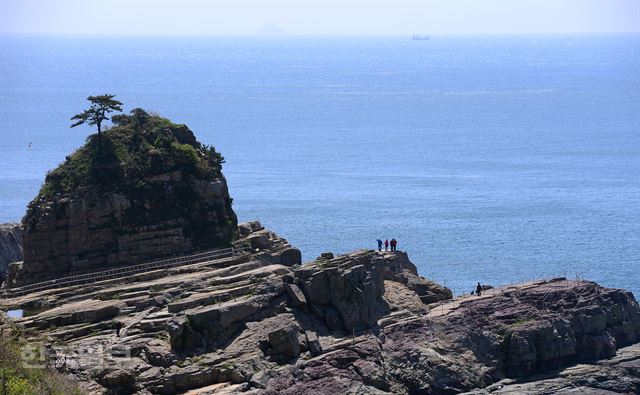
x: 476, y: 343
x: 10, y: 246
x: 89, y: 232
x: 356, y: 323
x: 150, y: 192
x: 618, y: 375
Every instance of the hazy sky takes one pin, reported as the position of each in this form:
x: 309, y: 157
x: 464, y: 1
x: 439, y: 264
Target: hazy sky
x: 318, y: 17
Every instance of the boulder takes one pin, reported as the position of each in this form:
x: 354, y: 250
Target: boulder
x: 290, y: 257
x: 285, y: 342
x: 259, y: 241
x: 399, y: 268
x: 244, y: 229
x: 353, y: 290
x: 326, y: 255
x: 119, y: 381
x: 296, y: 296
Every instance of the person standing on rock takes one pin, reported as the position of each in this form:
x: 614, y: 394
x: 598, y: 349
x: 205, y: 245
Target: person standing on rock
x: 379, y: 245
x: 479, y: 289
x: 386, y: 244
x: 118, y: 326
x: 394, y: 243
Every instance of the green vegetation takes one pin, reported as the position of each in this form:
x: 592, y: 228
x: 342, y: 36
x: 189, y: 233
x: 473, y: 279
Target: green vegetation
x: 149, y: 160
x: 520, y: 322
x: 101, y: 105
x: 138, y: 146
x: 17, y: 378
x: 156, y: 288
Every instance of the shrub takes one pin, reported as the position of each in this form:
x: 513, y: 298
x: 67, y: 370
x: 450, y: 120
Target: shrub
x: 126, y: 159
x: 18, y: 379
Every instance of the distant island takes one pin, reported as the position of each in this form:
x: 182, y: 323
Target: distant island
x: 418, y: 37
x: 271, y: 30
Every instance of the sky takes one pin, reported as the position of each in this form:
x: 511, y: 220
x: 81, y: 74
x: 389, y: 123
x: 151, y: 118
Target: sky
x: 339, y: 17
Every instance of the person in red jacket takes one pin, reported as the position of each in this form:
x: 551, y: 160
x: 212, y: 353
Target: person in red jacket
x: 386, y: 244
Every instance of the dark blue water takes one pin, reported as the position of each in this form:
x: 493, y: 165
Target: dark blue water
x: 492, y: 159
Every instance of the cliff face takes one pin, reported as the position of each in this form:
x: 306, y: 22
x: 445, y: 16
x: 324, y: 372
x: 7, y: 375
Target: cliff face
x: 145, y: 189
x: 360, y: 323
x: 10, y: 246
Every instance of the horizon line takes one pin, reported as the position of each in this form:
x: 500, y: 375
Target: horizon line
x: 284, y: 35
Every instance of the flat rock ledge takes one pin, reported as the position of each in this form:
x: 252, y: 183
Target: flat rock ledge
x: 359, y: 323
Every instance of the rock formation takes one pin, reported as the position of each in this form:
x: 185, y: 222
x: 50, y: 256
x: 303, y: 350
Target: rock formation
x: 363, y: 322
x: 258, y: 321
x: 617, y: 375
x: 10, y: 246
x: 146, y: 189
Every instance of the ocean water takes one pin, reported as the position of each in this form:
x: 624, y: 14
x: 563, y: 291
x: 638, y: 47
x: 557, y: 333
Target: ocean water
x: 492, y: 159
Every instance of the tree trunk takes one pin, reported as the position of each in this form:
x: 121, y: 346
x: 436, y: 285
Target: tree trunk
x: 99, y: 141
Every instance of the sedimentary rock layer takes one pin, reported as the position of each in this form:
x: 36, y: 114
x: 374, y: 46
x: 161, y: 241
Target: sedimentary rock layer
x: 138, y: 192
x: 359, y: 323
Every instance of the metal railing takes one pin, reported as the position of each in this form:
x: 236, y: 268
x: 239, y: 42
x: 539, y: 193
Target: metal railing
x: 206, y: 256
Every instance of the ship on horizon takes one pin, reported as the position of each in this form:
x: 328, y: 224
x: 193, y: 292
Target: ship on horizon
x: 418, y: 37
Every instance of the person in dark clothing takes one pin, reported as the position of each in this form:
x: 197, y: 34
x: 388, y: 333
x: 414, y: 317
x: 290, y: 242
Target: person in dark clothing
x: 479, y: 289
x: 379, y: 245
x: 118, y: 326
x: 394, y: 243
x: 386, y: 244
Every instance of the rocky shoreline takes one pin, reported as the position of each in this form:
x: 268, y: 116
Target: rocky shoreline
x: 249, y: 317
x: 360, y: 323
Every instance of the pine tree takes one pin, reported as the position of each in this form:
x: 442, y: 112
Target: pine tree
x: 97, y: 113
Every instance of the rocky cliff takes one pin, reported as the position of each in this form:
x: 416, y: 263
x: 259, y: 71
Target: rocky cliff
x: 144, y: 189
x: 360, y: 323
x: 257, y: 321
x: 10, y: 246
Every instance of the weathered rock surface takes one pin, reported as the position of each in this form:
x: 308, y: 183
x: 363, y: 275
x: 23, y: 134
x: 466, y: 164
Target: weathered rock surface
x: 400, y: 269
x: 360, y: 323
x: 141, y: 192
x: 345, y: 292
x: 618, y: 375
x: 285, y: 341
x: 10, y: 246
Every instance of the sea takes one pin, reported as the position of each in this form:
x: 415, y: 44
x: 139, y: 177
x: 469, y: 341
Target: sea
x: 498, y: 159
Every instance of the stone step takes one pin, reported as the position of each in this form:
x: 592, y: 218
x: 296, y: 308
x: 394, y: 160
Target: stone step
x: 159, y: 315
x: 152, y: 325
x: 83, y: 330
x: 203, y: 299
x: 134, y: 294
x: 128, y: 310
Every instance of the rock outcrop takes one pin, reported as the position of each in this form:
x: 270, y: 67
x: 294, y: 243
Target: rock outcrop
x: 359, y: 323
x: 617, y: 375
x: 346, y: 292
x: 474, y: 342
x: 10, y: 246
x: 146, y: 189
x: 257, y: 321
